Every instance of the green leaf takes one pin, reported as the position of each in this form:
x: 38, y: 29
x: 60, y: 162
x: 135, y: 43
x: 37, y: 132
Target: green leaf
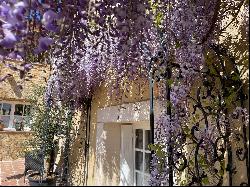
x: 221, y: 172
x: 170, y: 82
x: 157, y: 148
x: 197, y: 116
x: 177, y: 45
x: 183, y: 183
x: 191, y: 162
x: 205, y: 180
x: 169, y: 104
x: 186, y: 129
x: 158, y: 18
x: 189, y: 136
x: 212, y: 71
x: 160, y: 154
x: 235, y: 77
x: 154, y: 147
x: 230, y: 98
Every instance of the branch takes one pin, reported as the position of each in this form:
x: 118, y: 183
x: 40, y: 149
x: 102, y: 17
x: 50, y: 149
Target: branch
x: 214, y: 19
x: 239, y: 7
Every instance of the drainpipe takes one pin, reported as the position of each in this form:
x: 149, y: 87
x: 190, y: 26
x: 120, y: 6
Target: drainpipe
x: 151, y: 90
x: 151, y: 110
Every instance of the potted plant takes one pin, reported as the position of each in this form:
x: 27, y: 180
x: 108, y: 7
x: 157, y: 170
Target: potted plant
x: 19, y: 126
x: 45, y: 176
x: 35, y: 180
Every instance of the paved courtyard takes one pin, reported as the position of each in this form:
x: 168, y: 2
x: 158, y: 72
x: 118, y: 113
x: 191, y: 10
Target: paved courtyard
x: 11, y: 173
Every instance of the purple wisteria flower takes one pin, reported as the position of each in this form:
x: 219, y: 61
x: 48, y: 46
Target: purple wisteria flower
x: 49, y: 21
x: 9, y: 39
x: 44, y: 44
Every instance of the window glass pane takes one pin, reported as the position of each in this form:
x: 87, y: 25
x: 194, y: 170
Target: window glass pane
x: 138, y: 160
x: 139, y: 138
x: 146, y: 180
x: 6, y: 108
x: 18, y: 119
x: 26, y: 121
x: 18, y: 109
x: 26, y: 110
x: 5, y: 121
x: 147, y: 139
x: 18, y: 123
x: 139, y: 179
x: 147, y: 162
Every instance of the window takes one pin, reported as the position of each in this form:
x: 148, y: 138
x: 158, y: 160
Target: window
x: 14, y: 115
x: 141, y: 156
x: 5, y: 113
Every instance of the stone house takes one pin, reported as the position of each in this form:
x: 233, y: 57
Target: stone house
x: 14, y: 107
x: 119, y: 135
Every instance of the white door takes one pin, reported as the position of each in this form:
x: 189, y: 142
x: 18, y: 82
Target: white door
x: 126, y: 162
x: 142, y: 154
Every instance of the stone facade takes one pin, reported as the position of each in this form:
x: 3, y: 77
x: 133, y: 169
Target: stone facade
x: 109, y: 175
x: 17, y: 90
x: 14, y: 88
x: 13, y: 144
x: 105, y: 169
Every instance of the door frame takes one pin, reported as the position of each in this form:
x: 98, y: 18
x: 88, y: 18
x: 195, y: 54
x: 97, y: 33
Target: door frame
x: 135, y: 113
x: 141, y: 125
x: 144, y: 126
x: 124, y: 153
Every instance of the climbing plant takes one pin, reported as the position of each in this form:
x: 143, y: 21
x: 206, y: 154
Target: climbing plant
x: 50, y: 126
x: 212, y: 138
x: 90, y: 42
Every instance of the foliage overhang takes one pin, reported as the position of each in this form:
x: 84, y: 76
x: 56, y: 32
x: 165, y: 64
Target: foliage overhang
x: 83, y: 40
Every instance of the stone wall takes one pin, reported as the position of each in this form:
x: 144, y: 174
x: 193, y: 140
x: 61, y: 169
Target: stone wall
x: 13, y: 144
x: 15, y: 88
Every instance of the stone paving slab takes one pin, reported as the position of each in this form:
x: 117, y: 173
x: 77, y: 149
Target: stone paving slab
x: 11, y: 173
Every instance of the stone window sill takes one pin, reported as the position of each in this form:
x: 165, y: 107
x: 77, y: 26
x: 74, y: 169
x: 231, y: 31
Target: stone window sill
x: 12, y: 130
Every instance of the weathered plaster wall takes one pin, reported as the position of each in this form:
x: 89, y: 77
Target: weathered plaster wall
x: 108, y: 162
x: 100, y: 100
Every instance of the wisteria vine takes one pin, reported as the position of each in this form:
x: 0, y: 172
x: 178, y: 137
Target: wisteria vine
x: 89, y: 42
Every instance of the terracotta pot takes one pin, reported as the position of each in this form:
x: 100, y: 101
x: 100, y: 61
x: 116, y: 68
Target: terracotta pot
x: 34, y: 180
x: 1, y: 126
